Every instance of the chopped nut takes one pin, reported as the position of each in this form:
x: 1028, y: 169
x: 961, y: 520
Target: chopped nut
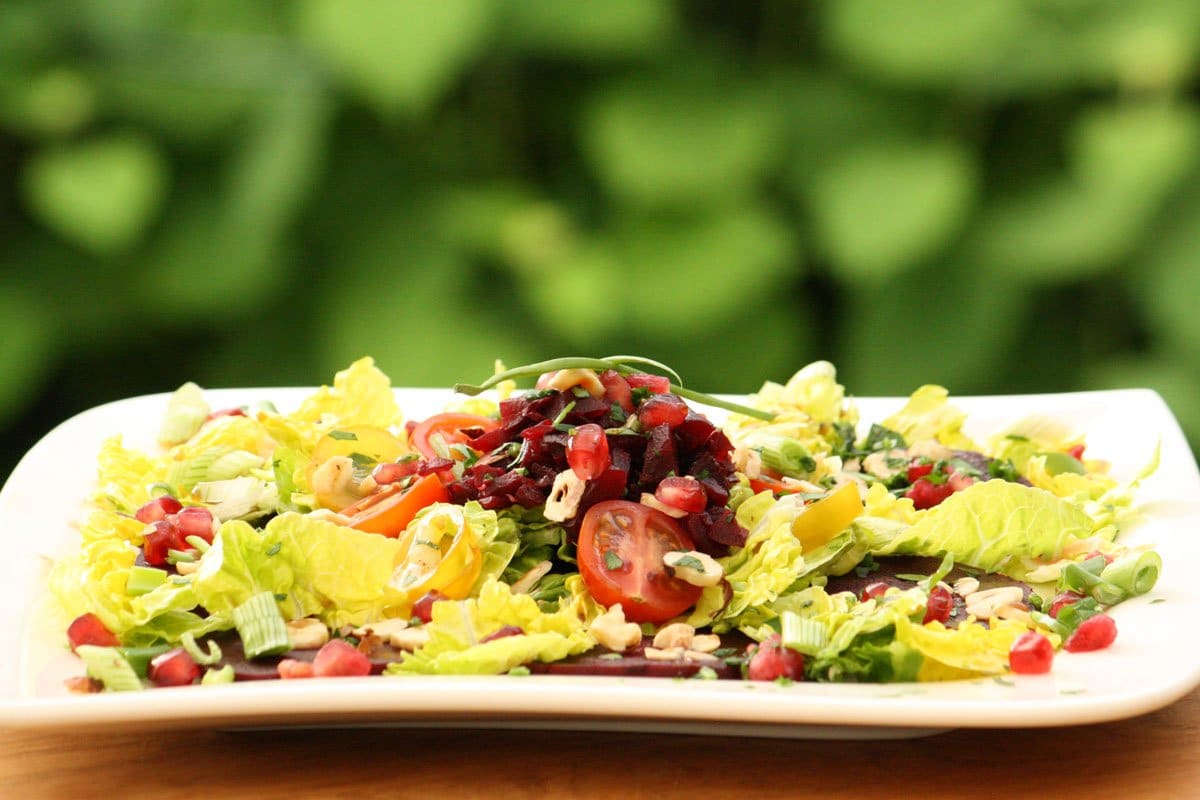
x: 669, y: 654
x: 931, y: 449
x: 187, y: 567
x: 523, y: 584
x: 335, y: 479
x: 564, y: 497
x: 329, y: 515
x: 983, y: 604
x: 1016, y: 612
x: 409, y: 638
x: 367, y: 486
x: 612, y: 631
x: 650, y: 501
x: 706, y: 643
x: 565, y: 379
x: 696, y: 655
x: 698, y: 569
x: 966, y: 586
x: 885, y: 463
x: 677, y: 634
x: 307, y: 633
x: 747, y: 461
x: 383, y: 628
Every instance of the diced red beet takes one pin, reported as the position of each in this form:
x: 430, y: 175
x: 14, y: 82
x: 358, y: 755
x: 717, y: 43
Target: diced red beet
x: 659, y: 460
x: 693, y: 432
x: 88, y: 629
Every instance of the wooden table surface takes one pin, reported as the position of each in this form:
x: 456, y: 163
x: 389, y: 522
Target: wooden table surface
x: 1153, y: 756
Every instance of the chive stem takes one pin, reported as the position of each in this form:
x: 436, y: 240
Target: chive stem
x: 143, y: 580
x: 622, y: 364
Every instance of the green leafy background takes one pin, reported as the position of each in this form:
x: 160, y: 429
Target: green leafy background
x: 998, y: 196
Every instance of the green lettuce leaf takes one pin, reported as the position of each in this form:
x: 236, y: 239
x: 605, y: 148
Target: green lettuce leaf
x: 318, y: 569
x: 996, y: 526
x: 928, y: 414
x: 456, y: 635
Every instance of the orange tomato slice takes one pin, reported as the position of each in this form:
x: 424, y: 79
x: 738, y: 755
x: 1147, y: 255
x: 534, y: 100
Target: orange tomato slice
x: 389, y: 510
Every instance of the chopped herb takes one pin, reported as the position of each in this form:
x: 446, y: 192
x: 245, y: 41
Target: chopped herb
x: 1003, y: 469
x: 641, y: 395
x: 881, y: 438
x: 1158, y: 600
x: 1072, y: 691
x: 612, y: 560
x: 611, y: 656
x: 1016, y: 437
x: 280, y: 597
x: 362, y: 461
x: 519, y: 671
x: 346, y: 436
x: 725, y: 652
x: 783, y: 681
x: 1003, y: 681
x: 562, y: 415
x: 690, y: 562
x: 580, y: 392
x: 911, y: 577
x: 866, y: 566
x: 275, y: 548
x: 705, y: 674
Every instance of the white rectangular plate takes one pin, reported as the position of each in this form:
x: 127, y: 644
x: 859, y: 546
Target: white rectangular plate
x: 1155, y: 660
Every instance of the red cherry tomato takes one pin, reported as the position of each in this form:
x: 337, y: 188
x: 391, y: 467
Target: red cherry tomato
x: 621, y: 549
x: 452, y: 429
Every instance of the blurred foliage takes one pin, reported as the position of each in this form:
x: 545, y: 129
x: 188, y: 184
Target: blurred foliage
x: 997, y: 195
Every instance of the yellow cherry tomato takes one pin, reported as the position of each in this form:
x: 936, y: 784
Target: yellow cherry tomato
x: 827, y: 517
x: 438, y: 551
x: 365, y: 446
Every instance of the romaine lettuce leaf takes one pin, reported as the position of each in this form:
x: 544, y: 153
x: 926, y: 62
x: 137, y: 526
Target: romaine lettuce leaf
x: 456, y: 635
x: 992, y: 525
x: 361, y: 395
x: 928, y: 414
x: 318, y: 569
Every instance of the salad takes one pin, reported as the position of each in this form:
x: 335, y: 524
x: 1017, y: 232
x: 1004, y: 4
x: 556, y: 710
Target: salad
x: 601, y: 522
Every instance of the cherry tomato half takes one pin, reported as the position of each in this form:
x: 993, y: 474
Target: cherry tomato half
x: 452, y: 429
x: 389, y: 510
x: 621, y: 549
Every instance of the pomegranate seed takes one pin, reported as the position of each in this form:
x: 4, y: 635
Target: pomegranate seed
x: 88, y: 629
x: 194, y: 521
x: 957, y: 481
x: 917, y: 470
x: 503, y: 633
x: 394, y: 471
x: 874, y: 590
x: 663, y: 409
x: 1094, y: 633
x: 337, y: 658
x: 227, y: 412
x: 616, y: 390
x: 174, y: 668
x: 926, y: 494
x: 771, y: 660
x: 657, y: 384
x: 1076, y: 452
x: 685, y: 493
x: 1031, y: 654
x: 587, y: 452
x: 160, y: 537
x: 157, y: 509
x: 423, y: 608
x: 290, y: 668
x: 1061, y: 601
x: 939, y: 606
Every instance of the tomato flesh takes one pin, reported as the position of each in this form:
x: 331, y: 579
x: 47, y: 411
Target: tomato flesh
x: 451, y: 429
x: 621, y: 549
